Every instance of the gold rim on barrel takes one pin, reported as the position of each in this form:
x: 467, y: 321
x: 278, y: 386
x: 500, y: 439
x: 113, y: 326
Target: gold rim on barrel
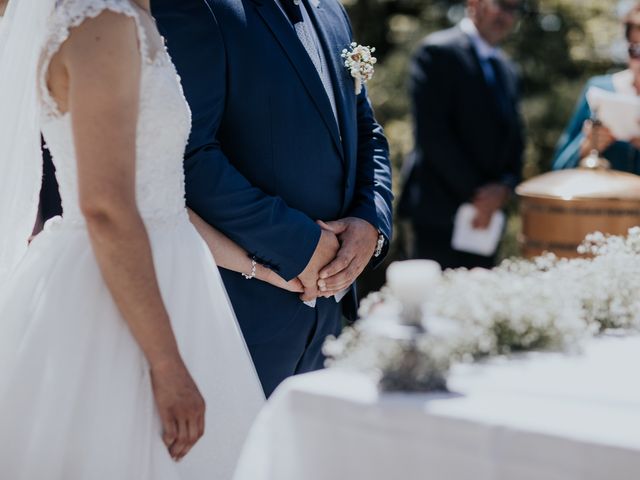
x: 560, y: 208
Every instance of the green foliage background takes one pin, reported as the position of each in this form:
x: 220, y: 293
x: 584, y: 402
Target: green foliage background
x: 558, y: 46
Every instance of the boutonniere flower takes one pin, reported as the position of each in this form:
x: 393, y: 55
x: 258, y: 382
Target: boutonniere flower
x: 359, y: 61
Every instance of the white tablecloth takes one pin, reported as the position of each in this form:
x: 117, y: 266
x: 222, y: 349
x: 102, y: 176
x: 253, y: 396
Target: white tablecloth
x: 543, y: 416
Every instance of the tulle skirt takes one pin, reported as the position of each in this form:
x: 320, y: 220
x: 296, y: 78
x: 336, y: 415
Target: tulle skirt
x: 75, y: 394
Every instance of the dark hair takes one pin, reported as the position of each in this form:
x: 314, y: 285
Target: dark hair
x: 627, y: 19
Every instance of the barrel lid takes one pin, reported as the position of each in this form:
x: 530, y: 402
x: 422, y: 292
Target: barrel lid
x: 582, y: 183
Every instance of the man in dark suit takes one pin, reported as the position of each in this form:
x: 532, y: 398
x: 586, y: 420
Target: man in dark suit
x: 280, y: 140
x: 468, y: 131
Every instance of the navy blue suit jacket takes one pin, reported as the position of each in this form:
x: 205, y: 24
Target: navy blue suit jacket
x: 266, y: 157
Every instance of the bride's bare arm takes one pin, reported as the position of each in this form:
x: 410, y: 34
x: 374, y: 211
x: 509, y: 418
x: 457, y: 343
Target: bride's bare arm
x: 100, y: 66
x: 231, y: 256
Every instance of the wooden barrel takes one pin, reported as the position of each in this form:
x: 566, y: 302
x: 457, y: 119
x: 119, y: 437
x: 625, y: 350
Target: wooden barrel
x: 560, y: 208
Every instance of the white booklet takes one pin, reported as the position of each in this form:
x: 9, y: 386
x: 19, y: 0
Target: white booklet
x: 619, y: 112
x: 472, y: 240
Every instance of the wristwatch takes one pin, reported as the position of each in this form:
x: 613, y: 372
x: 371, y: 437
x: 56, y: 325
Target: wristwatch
x: 379, y: 245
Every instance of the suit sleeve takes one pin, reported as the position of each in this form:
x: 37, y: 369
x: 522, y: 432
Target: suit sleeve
x: 373, y: 197
x: 275, y: 234
x: 431, y: 93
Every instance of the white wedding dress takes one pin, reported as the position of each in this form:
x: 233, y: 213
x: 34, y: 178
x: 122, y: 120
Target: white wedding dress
x: 75, y: 395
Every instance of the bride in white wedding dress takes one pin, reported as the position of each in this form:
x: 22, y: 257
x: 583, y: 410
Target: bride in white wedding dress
x: 115, y: 328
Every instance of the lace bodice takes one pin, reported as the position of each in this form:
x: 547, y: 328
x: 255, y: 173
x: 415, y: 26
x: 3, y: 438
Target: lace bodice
x: 164, y: 119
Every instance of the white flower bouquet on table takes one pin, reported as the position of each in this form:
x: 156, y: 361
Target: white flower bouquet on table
x: 423, y: 321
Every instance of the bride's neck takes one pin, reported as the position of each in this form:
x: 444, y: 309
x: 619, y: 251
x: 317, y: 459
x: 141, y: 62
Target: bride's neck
x: 144, y: 4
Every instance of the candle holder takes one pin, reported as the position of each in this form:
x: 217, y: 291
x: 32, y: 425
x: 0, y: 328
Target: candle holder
x: 412, y: 368
x: 411, y: 316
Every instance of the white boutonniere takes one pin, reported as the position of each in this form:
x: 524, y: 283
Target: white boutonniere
x: 360, y: 61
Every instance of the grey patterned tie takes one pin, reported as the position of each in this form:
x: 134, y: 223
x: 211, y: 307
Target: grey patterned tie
x: 306, y: 38
x: 309, y: 45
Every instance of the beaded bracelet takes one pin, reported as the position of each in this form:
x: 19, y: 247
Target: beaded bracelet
x: 252, y: 275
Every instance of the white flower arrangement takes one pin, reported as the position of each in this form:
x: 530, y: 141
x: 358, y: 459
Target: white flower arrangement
x: 359, y: 60
x: 522, y: 305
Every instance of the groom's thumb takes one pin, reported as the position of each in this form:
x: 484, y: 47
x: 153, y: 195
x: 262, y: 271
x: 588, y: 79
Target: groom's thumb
x: 336, y: 227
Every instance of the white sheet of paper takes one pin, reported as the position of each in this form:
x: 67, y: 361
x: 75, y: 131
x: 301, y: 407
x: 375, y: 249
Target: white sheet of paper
x: 619, y: 112
x: 468, y: 239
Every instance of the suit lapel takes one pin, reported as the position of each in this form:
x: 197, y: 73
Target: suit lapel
x: 343, y: 87
x: 299, y: 58
x: 476, y: 66
x: 509, y: 81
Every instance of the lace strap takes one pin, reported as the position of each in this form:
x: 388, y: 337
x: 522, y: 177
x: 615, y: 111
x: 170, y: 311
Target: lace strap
x: 69, y: 14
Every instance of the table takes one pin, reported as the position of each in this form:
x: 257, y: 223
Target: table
x: 542, y: 416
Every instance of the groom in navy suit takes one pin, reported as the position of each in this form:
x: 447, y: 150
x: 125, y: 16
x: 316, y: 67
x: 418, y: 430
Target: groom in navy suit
x: 280, y: 140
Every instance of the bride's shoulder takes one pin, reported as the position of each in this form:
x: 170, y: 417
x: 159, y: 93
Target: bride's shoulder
x: 74, y: 12
x: 69, y: 14
x: 80, y: 20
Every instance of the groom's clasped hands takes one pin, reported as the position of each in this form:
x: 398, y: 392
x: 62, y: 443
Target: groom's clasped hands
x: 344, y: 250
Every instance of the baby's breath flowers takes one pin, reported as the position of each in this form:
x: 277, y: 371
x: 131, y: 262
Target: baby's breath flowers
x: 360, y: 61
x: 522, y: 305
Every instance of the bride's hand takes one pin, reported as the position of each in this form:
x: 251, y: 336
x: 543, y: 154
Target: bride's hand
x: 267, y: 275
x: 180, y: 405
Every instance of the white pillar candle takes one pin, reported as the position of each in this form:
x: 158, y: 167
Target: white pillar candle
x: 410, y: 281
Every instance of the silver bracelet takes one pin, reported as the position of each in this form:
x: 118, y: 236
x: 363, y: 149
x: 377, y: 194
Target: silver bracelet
x: 252, y: 275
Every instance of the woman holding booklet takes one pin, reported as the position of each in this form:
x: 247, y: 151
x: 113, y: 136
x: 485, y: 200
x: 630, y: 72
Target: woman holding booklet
x: 581, y: 136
